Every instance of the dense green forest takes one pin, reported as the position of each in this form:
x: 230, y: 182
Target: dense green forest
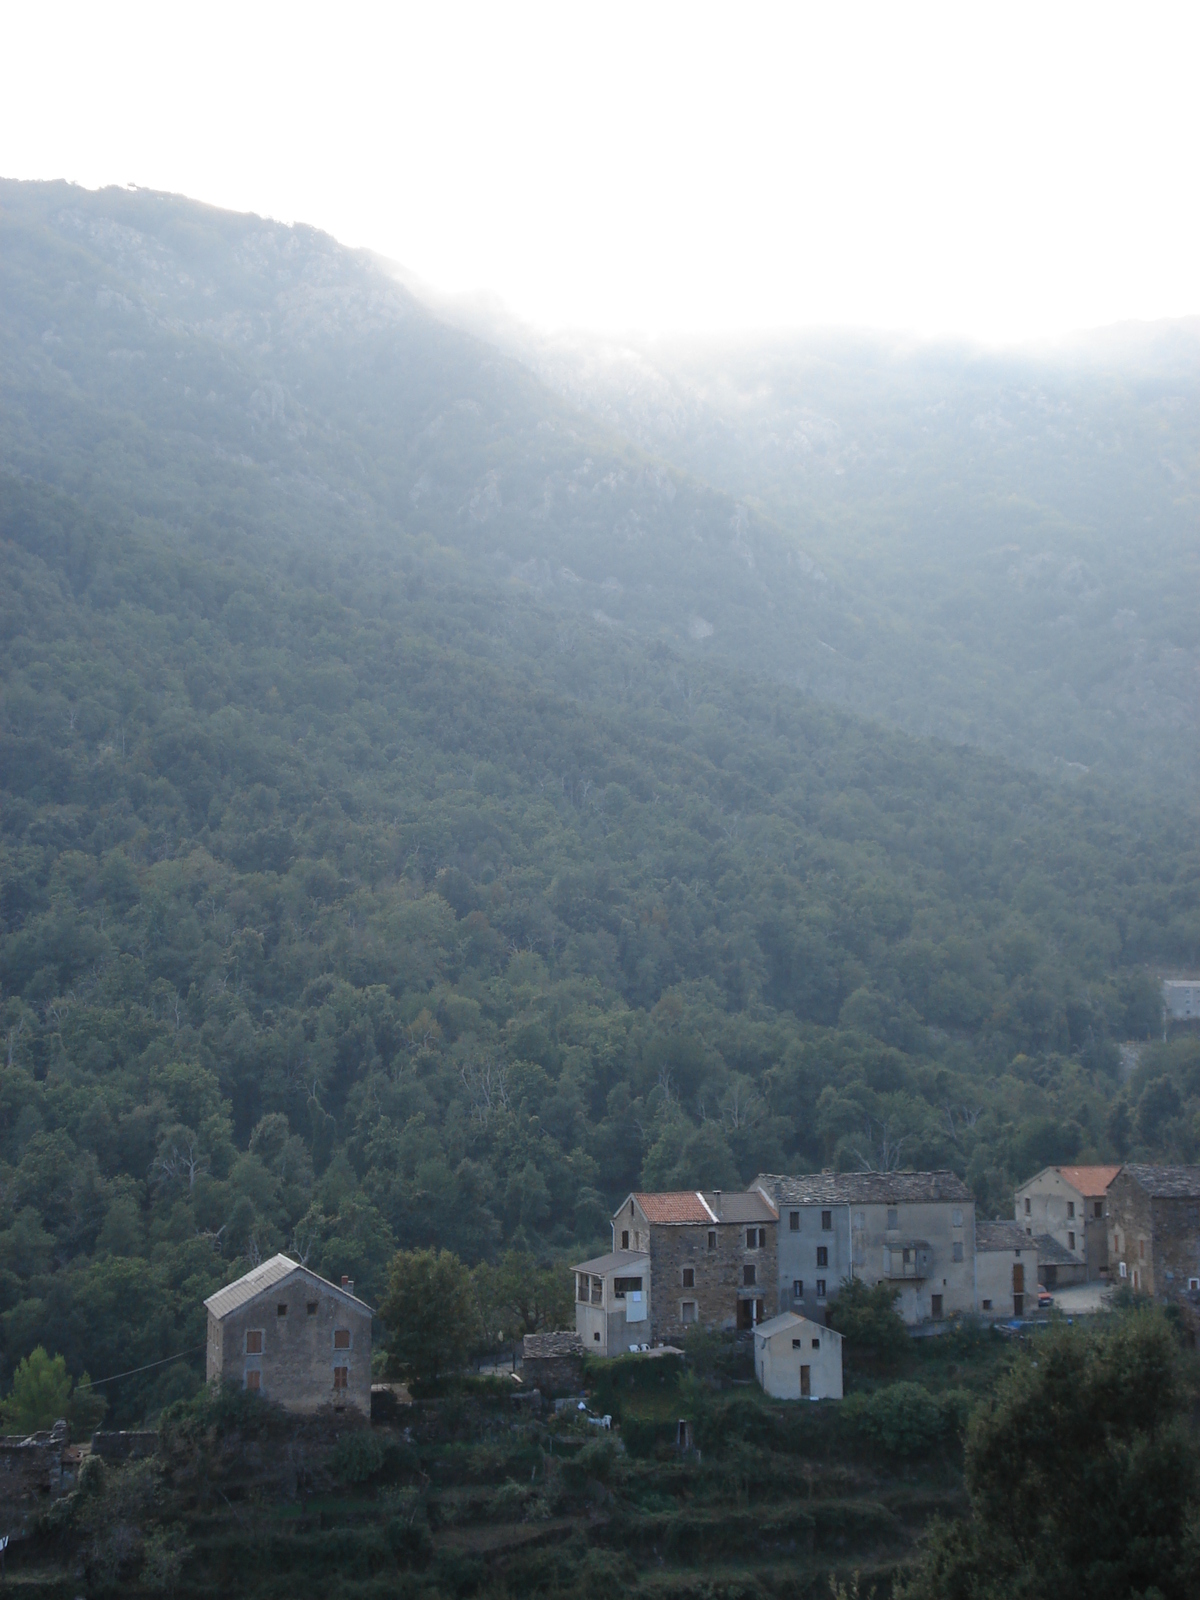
x: 384, y: 862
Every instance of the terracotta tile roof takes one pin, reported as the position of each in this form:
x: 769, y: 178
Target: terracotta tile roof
x: 685, y: 1205
x: 1090, y: 1181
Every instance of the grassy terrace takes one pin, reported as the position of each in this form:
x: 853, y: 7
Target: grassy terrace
x: 467, y: 1494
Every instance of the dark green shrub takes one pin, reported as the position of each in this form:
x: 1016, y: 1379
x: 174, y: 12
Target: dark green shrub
x: 358, y: 1456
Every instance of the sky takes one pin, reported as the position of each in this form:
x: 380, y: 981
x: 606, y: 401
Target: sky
x: 1000, y: 171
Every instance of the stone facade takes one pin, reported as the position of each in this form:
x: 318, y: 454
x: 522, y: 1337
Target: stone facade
x: 34, y: 1469
x: 915, y: 1230
x: 1153, y: 1216
x: 299, y: 1340
x: 552, y: 1362
x: 1068, y: 1204
x: 712, y: 1259
x: 1006, y: 1270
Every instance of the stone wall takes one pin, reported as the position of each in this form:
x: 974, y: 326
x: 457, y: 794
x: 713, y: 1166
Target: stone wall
x: 31, y: 1474
x: 719, y: 1275
x: 1131, y: 1234
x: 299, y: 1354
x: 552, y: 1362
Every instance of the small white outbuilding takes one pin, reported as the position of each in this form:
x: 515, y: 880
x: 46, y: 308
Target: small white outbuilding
x: 795, y: 1359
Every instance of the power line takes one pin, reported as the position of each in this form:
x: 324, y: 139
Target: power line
x: 178, y: 1356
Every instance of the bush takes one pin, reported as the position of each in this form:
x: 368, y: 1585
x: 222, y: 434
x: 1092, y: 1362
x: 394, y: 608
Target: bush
x: 905, y: 1419
x: 866, y: 1317
x: 358, y: 1456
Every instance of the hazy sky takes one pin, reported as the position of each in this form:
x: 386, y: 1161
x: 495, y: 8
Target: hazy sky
x: 994, y: 169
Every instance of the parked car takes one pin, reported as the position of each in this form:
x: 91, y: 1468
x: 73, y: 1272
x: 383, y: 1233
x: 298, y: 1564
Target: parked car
x: 1045, y: 1298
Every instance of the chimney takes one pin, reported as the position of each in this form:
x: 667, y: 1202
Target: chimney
x: 347, y: 1284
x: 717, y: 1207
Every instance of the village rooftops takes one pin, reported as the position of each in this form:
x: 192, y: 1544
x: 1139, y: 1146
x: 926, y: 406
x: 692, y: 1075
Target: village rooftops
x: 615, y: 1261
x: 1091, y: 1182
x: 1165, y: 1183
x: 264, y: 1277
x: 779, y: 1324
x: 1051, y: 1253
x: 697, y: 1207
x: 864, y: 1188
x: 1004, y: 1236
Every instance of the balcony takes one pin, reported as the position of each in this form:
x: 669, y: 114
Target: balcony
x: 911, y: 1260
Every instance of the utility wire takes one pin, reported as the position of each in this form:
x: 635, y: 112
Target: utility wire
x: 178, y: 1356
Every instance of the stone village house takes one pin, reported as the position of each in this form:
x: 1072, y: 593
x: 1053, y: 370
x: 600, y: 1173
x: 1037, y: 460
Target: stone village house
x: 1006, y: 1270
x: 1153, y: 1216
x: 1065, y: 1205
x: 678, y: 1259
x: 294, y: 1337
x: 915, y: 1230
x: 795, y: 1359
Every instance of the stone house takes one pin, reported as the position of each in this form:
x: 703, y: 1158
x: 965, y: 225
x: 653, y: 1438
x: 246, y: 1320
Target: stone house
x: 1153, y: 1216
x: 915, y: 1230
x: 711, y: 1258
x: 35, y: 1468
x: 552, y: 1362
x: 795, y: 1359
x: 1006, y: 1270
x: 1068, y: 1204
x: 297, y: 1339
x: 1181, y: 1000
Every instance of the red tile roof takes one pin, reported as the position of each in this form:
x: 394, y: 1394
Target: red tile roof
x: 1090, y: 1180
x: 684, y: 1205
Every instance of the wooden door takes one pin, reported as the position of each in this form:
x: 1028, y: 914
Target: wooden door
x: 936, y: 1307
x: 1018, y: 1277
x: 806, y: 1383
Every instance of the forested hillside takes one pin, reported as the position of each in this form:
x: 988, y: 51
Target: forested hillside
x: 362, y: 884
x: 1012, y: 535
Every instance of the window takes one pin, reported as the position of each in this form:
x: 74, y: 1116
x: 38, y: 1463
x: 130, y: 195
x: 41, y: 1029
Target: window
x: 794, y: 1221
x: 797, y: 1288
x: 822, y: 1255
x: 254, y: 1378
x: 986, y: 1304
x: 956, y: 1217
x: 581, y: 1287
x: 820, y: 1288
x: 1124, y: 1270
x: 826, y: 1221
x: 341, y: 1377
x: 281, y: 1311
x: 311, y: 1308
x: 688, y: 1311
x: 1071, y: 1210
x: 689, y: 1277
x: 341, y: 1338
x: 1193, y: 1284
x: 637, y: 1239
x: 597, y: 1290
x: 958, y: 1250
x: 254, y: 1342
x: 624, y: 1286
x: 1027, y: 1205
x: 936, y: 1307
x: 752, y: 1239
x: 712, y: 1238
x: 795, y: 1344
x: 893, y: 1217
x: 748, y: 1276
x: 1142, y: 1249
x: 596, y: 1337
x: 1070, y: 1241
x: 816, y: 1344
x: 1097, y: 1208
x: 624, y: 1238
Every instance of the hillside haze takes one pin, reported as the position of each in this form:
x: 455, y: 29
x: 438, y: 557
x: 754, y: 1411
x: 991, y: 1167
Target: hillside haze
x: 423, y: 814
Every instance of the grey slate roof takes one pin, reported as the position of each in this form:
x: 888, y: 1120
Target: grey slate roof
x: 614, y: 1261
x: 550, y: 1346
x: 1166, y: 1183
x: 1053, y: 1254
x: 265, y: 1276
x: 864, y: 1188
x: 740, y: 1207
x: 1002, y: 1236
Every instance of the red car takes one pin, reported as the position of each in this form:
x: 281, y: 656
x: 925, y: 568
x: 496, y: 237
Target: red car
x: 1045, y: 1298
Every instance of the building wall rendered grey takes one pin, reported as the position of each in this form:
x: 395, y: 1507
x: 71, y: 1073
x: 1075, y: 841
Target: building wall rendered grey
x: 296, y: 1365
